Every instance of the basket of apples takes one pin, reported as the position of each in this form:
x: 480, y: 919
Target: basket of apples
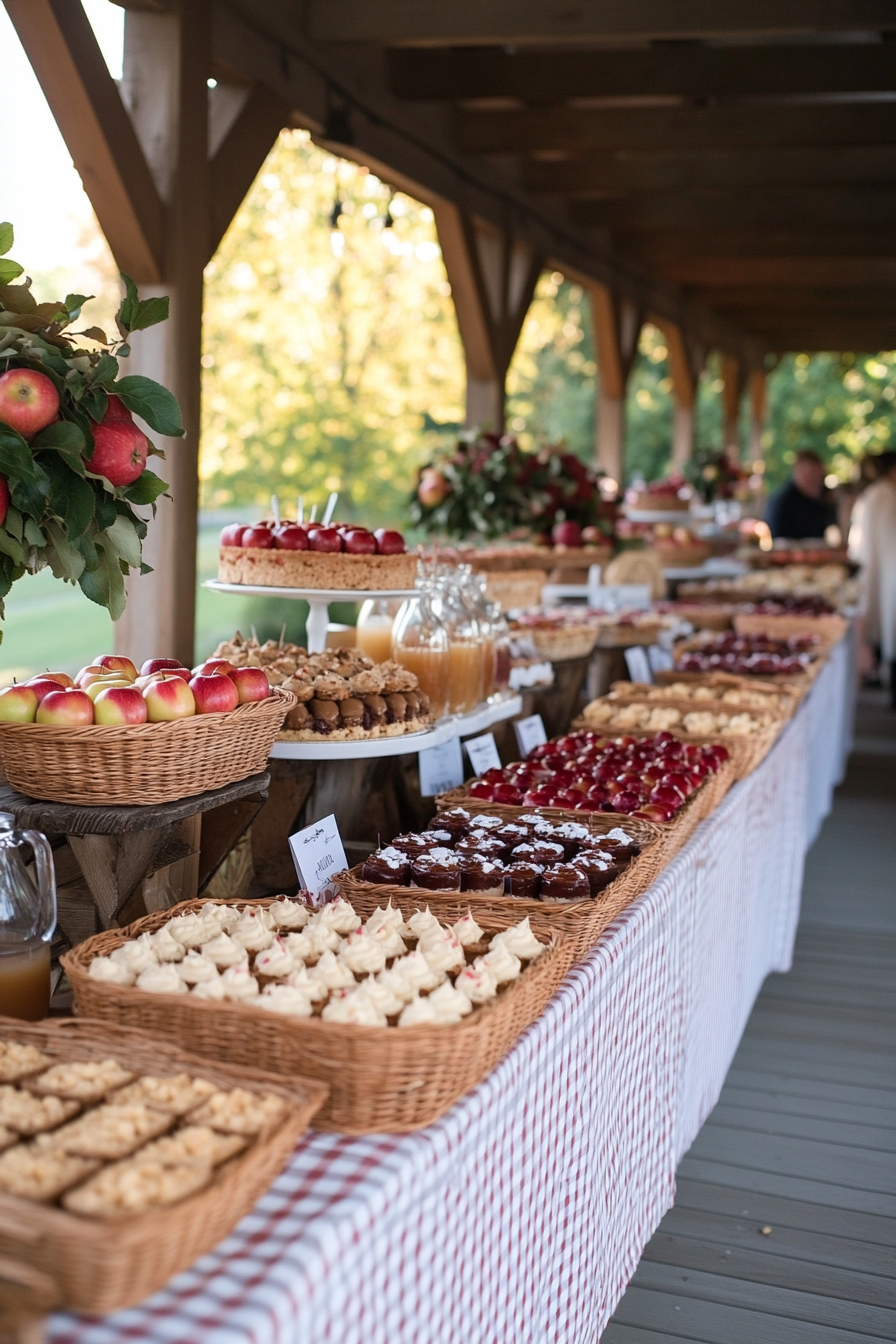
x: 113, y: 736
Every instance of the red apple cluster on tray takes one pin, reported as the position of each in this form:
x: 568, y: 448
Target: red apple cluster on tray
x: 641, y: 777
x: 351, y: 538
x: 569, y: 536
x: 110, y: 692
x: 751, y: 655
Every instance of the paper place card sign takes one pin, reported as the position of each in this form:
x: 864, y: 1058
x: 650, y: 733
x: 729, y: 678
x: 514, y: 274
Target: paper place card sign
x: 483, y: 753
x: 638, y: 664
x: 318, y: 855
x: 530, y: 733
x: 660, y: 660
x: 441, y: 768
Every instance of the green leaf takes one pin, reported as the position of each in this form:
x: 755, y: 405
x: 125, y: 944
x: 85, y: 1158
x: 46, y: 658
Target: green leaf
x: 33, y: 534
x: 129, y: 304
x: 105, y: 508
x: 71, y: 497
x: 123, y: 540
x: 17, y: 463
x: 9, y: 546
x: 94, y: 583
x: 150, y: 312
x: 75, y: 302
x: 91, y: 555
x: 95, y: 402
x: 9, y: 270
x: 146, y: 489
x: 152, y: 402
x: 14, y: 523
x: 105, y: 370
x: 133, y: 518
x: 64, y: 434
x: 95, y: 334
x: 66, y: 561
x: 18, y: 298
x: 7, y: 237
x: 31, y: 496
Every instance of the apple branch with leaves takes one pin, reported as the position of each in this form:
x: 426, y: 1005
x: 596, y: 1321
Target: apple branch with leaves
x: 72, y: 460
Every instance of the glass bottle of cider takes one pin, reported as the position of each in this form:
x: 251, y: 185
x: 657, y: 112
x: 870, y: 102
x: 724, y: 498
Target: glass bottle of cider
x: 373, y: 632
x: 27, y: 921
x: 420, y: 643
x: 465, y: 646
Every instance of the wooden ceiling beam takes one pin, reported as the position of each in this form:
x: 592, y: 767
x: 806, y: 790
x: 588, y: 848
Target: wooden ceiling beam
x: 654, y: 250
x: 627, y: 172
x: 97, y: 130
x: 572, y: 131
x: 240, y: 156
x: 796, y: 207
x: 794, y: 272
x: 881, y: 299
x: 511, y: 22
x: 683, y: 70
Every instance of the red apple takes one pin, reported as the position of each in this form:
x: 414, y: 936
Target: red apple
x: 626, y: 801
x: 90, y: 678
x: 290, y: 537
x: 158, y: 665
x: 72, y: 709
x: 18, y: 704
x: 120, y: 449
x: 44, y: 686
x: 506, y: 793
x: 168, y: 698
x: 28, y: 401
x: 667, y: 794
x: 680, y: 782
x: 358, y: 541
x: 479, y: 789
x: 4, y: 499
x: 232, y: 534
x: 251, y: 684
x: 324, y: 539
x: 120, y: 705
x: 389, y: 543
x: 92, y: 669
x: 97, y: 687
x: 260, y: 537
x: 433, y: 487
x: 116, y: 662
x: 214, y: 694
x: 655, y: 812
x: 212, y: 665
x: 567, y: 534
x: 538, y: 797
x: 592, y: 536
x: 61, y: 678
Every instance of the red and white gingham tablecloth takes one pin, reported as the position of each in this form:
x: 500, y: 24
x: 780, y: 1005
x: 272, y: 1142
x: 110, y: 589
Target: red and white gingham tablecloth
x: 520, y: 1217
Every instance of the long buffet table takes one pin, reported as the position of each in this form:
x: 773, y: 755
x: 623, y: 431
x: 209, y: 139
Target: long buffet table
x: 522, y: 1214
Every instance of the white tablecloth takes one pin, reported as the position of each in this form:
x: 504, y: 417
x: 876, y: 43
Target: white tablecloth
x: 520, y: 1217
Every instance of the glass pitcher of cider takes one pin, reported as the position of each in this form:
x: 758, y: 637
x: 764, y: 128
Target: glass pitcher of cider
x: 27, y: 921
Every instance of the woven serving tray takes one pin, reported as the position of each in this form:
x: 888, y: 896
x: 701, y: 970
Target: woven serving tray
x: 788, y: 694
x: 51, y: 1259
x: 380, y: 1079
x: 829, y: 628
x: 143, y: 763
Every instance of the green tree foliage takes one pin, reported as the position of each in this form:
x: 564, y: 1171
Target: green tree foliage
x: 332, y: 357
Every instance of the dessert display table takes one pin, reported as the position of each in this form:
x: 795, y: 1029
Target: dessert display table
x: 456, y: 725
x: 318, y: 600
x: 521, y: 1215
x: 678, y: 517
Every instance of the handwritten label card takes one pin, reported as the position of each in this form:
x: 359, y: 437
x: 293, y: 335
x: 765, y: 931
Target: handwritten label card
x: 318, y: 856
x: 638, y: 664
x: 441, y: 768
x: 660, y: 660
x: 530, y: 733
x: 483, y: 753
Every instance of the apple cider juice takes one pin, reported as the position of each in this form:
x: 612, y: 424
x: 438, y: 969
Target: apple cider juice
x: 25, y: 980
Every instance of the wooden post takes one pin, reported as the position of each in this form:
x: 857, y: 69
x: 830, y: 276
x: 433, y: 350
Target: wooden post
x: 732, y: 391
x: 758, y: 386
x: 492, y: 279
x: 164, y: 187
x: 617, y: 326
x: 685, y: 363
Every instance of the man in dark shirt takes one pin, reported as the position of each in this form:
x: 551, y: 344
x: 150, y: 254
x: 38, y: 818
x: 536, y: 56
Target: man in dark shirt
x: 802, y: 507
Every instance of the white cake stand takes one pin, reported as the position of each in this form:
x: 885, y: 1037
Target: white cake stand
x: 318, y: 600
x: 677, y: 518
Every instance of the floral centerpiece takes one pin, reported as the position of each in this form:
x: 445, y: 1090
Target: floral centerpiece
x: 72, y: 460
x: 716, y: 474
x: 489, y: 487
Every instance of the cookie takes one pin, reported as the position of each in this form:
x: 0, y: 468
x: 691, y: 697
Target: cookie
x: 87, y: 1081
x: 191, y: 1145
x: 240, y: 1112
x: 28, y: 1114
x: 110, y: 1131
x: 133, y: 1187
x: 17, y: 1061
x: 41, y: 1173
x: 177, y: 1095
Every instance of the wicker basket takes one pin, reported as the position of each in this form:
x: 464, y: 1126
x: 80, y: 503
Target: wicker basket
x: 380, y: 1079
x: 146, y: 762
x: 805, y: 678
x: 682, y: 557
x: 787, y: 694
x: 52, y: 1259
x: 829, y: 628
x: 619, y: 635
x: 745, y: 750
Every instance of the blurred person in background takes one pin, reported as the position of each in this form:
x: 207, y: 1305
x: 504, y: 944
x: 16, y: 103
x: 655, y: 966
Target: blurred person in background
x: 803, y: 507
x: 872, y: 544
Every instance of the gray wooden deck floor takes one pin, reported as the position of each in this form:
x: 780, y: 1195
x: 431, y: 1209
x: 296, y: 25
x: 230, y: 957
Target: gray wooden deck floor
x: 784, y: 1225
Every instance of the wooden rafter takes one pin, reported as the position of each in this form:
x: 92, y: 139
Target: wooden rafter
x: 97, y: 130
x: 806, y: 207
x: 240, y: 156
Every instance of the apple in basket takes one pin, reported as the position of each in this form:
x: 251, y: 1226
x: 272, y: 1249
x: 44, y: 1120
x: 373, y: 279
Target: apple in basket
x: 18, y: 704
x: 251, y: 684
x: 214, y: 694
x: 68, y: 709
x: 168, y: 698
x: 158, y: 665
x: 97, y: 687
x: 118, y: 705
x: 116, y: 662
x: 212, y: 665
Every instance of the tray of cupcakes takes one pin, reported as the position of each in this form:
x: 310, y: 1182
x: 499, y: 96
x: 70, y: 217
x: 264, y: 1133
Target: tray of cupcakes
x: 584, y: 774
x: 125, y: 1158
x: 399, y: 1013
x: 571, y: 877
